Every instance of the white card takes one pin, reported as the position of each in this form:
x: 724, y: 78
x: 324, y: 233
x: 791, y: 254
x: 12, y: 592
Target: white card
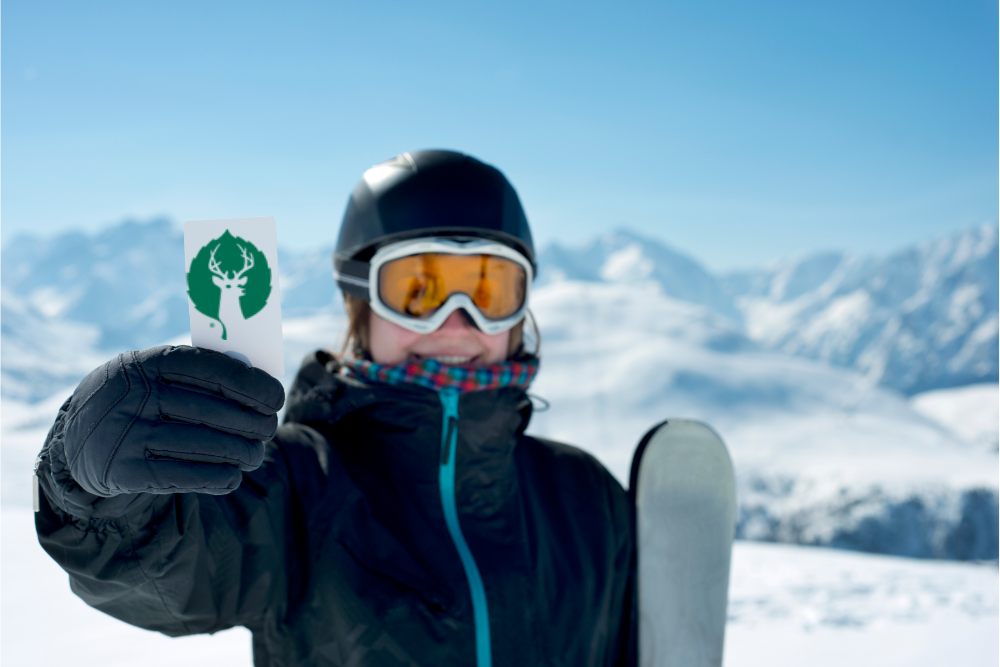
x: 233, y: 294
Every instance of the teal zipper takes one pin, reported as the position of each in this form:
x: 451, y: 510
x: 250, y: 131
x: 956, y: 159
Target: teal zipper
x: 446, y: 480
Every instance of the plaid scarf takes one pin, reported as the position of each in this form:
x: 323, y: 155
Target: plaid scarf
x: 434, y: 375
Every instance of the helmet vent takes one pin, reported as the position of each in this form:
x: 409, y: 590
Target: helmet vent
x: 401, y: 161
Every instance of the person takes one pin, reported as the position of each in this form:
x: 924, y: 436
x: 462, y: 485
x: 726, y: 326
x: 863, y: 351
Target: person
x: 400, y: 515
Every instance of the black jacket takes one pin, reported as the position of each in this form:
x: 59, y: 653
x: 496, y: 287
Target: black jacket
x: 340, y: 549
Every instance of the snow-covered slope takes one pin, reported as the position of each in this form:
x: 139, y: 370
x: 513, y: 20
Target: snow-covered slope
x: 822, y: 456
x: 920, y: 319
x: 973, y: 412
x: 41, y: 355
x: 816, y: 607
x: 788, y: 606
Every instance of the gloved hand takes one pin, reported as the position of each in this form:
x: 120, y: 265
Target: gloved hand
x: 170, y: 420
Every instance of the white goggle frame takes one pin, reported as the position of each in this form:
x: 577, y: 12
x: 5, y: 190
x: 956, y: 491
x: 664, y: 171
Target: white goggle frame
x: 455, y: 301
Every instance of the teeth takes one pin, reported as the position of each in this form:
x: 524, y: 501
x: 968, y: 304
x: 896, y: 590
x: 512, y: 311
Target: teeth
x: 452, y: 360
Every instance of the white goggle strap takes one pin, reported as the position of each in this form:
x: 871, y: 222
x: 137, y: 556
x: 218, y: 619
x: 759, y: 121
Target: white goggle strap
x: 352, y: 276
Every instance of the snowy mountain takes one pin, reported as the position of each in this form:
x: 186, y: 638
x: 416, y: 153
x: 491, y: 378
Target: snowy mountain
x: 788, y: 606
x: 76, y: 298
x: 625, y: 257
x: 41, y: 355
x: 128, y: 280
x: 922, y: 318
x: 632, y: 333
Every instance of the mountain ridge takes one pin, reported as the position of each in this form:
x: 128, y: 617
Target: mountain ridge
x: 922, y: 318
x: 824, y: 455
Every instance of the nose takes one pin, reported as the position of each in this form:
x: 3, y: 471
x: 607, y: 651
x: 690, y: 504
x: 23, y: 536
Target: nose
x: 457, y: 323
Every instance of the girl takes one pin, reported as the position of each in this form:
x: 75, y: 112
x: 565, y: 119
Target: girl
x: 400, y: 515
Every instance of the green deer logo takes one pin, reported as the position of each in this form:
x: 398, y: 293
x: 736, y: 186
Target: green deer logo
x: 230, y: 282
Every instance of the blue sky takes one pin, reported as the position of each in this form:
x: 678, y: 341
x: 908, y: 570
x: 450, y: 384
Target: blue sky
x: 738, y: 132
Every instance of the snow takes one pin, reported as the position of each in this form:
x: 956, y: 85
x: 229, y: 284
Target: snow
x: 822, y: 455
x: 71, y: 302
x: 627, y: 265
x: 788, y: 606
x: 623, y: 256
x: 39, y: 355
x: 45, y: 624
x: 922, y: 318
x: 972, y: 412
x: 818, y: 607
x: 617, y: 359
x: 632, y: 333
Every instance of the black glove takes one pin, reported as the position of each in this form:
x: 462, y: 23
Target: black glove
x: 169, y: 420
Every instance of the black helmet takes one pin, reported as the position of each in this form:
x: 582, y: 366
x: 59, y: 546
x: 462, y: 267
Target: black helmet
x: 427, y: 193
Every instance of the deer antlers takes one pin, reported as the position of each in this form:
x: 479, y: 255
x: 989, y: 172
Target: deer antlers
x: 247, y: 261
x: 213, y: 264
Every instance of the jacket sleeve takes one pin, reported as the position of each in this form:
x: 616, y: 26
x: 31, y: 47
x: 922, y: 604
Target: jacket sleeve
x: 628, y: 639
x: 624, y: 647
x: 180, y: 564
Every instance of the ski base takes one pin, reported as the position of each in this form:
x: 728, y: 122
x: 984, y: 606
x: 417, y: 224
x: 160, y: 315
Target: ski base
x: 682, y: 482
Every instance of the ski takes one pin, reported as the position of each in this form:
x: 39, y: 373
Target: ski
x: 685, y: 501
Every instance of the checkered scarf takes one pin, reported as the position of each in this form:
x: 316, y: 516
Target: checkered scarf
x: 434, y: 375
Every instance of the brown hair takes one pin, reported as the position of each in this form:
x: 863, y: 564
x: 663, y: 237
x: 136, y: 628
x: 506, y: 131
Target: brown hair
x: 357, y: 342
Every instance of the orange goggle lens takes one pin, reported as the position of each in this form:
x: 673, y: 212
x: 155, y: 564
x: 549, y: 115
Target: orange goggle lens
x: 420, y: 284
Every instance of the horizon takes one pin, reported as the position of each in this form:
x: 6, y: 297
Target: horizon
x: 540, y: 248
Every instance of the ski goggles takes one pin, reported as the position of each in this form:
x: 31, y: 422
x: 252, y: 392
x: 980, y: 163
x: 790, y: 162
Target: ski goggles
x: 417, y: 284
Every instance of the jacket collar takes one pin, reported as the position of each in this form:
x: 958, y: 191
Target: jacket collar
x: 396, y: 430
x: 325, y: 390
x: 434, y: 375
